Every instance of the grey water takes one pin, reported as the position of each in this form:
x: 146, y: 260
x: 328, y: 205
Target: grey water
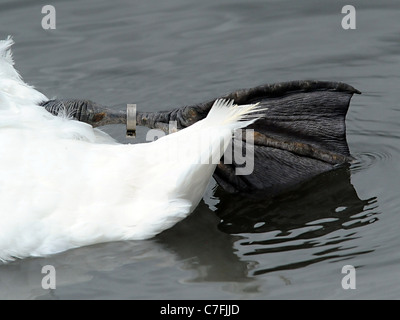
x: 166, y: 54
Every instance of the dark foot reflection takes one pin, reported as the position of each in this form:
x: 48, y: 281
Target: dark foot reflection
x: 199, y: 243
x: 319, y: 216
x: 330, y: 196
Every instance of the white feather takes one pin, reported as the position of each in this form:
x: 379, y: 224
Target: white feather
x: 62, y: 187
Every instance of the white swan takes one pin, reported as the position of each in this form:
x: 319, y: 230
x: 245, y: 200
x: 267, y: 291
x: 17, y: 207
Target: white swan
x: 63, y: 186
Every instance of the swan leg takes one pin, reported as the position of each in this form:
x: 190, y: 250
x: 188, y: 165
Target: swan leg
x: 302, y: 134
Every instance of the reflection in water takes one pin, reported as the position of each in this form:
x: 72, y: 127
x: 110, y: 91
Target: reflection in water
x: 329, y: 196
x: 198, y: 242
x: 320, y: 215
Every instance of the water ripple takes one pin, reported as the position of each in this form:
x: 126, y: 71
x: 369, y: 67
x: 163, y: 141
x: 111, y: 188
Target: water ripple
x: 365, y: 160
